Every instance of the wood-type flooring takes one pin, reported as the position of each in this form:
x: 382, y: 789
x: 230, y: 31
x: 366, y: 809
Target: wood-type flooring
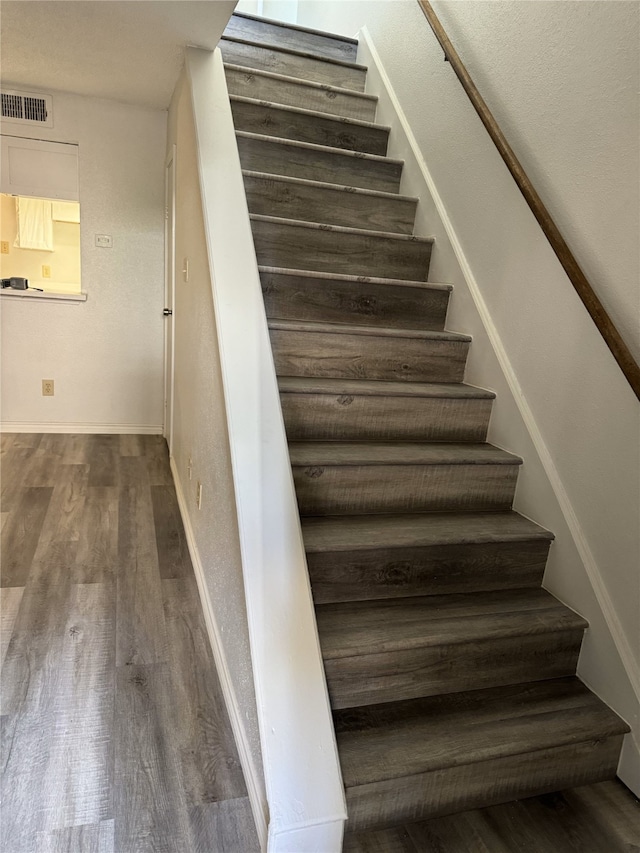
x: 115, y: 738
x: 114, y: 734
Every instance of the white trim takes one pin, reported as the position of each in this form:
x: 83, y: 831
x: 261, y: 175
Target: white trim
x: 51, y: 295
x: 252, y: 778
x: 169, y: 296
x: 89, y: 429
x: 303, y: 779
x: 591, y: 567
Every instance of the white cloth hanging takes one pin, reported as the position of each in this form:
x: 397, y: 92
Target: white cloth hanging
x: 35, y: 224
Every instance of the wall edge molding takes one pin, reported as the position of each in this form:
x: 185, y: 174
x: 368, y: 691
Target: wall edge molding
x: 249, y: 770
x: 82, y: 428
x: 592, y: 570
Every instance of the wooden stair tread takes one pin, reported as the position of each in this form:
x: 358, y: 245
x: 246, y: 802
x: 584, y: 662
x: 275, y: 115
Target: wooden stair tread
x: 305, y: 453
x: 343, y: 120
x: 375, y: 331
x: 341, y: 229
x: 355, y: 628
x: 314, y: 146
x: 381, y: 388
x: 369, y: 533
x: 303, y: 54
x: 402, y: 739
x: 284, y: 179
x: 299, y: 81
x: 356, y: 279
x: 297, y: 27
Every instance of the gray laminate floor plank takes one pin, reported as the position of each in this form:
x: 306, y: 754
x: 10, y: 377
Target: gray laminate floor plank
x: 21, y: 533
x: 112, y: 739
x: 224, y: 827
x: 10, y: 598
x: 173, y: 553
x: 149, y: 801
x: 211, y: 772
x: 131, y: 445
x: 141, y: 637
x: 91, y: 838
x: 103, y: 453
x: 97, y: 556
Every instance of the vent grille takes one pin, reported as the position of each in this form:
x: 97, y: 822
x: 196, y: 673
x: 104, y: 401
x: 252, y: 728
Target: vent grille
x: 27, y: 108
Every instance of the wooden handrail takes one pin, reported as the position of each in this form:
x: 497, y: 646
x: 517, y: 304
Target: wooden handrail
x: 599, y: 315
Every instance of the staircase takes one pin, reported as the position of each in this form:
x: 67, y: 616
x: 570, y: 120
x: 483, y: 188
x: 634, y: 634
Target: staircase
x: 450, y: 671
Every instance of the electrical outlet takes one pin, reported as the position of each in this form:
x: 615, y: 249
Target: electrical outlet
x: 190, y: 467
x: 4, y: 247
x: 46, y: 271
x: 199, y: 494
x: 47, y: 387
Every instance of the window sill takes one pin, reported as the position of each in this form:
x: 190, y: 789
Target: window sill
x: 9, y: 293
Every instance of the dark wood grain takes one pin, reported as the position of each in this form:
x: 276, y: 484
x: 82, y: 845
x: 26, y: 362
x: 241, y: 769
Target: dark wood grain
x: 294, y: 92
x: 173, y: 554
x: 436, y: 570
x: 284, y: 35
x: 601, y: 818
x: 311, y: 201
x: 97, y: 555
x: 149, y: 798
x: 317, y: 162
x: 226, y: 826
x: 348, y: 415
x: 102, y: 455
x: 73, y: 775
x: 203, y: 732
x: 332, y: 248
x: 345, y: 353
x: 294, y: 63
x: 323, y: 297
x: 21, y: 532
x: 578, y: 279
x: 364, y: 489
x: 437, y: 756
x: 141, y: 638
x: 306, y: 126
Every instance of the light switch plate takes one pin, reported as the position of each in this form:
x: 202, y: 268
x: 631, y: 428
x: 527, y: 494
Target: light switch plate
x: 104, y: 241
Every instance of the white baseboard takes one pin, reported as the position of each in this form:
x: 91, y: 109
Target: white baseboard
x: 252, y: 779
x: 82, y: 428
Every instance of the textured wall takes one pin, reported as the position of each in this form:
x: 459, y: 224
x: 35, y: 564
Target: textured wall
x: 106, y: 354
x: 200, y: 428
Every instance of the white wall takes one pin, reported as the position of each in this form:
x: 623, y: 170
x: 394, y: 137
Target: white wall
x: 562, y: 81
x: 200, y: 431
x: 279, y: 10
x: 105, y: 354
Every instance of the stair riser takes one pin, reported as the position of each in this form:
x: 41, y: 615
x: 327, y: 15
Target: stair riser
x: 248, y: 84
x: 364, y: 489
x: 434, y: 570
x: 324, y: 250
x: 335, y: 132
x: 485, y: 783
x: 265, y: 58
x: 332, y: 205
x: 409, y: 674
x: 284, y: 158
x: 345, y: 418
x: 367, y: 357
x: 289, y: 297
x: 283, y: 36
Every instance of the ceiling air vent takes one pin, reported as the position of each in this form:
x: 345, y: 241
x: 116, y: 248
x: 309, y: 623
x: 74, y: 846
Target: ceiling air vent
x: 27, y: 108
